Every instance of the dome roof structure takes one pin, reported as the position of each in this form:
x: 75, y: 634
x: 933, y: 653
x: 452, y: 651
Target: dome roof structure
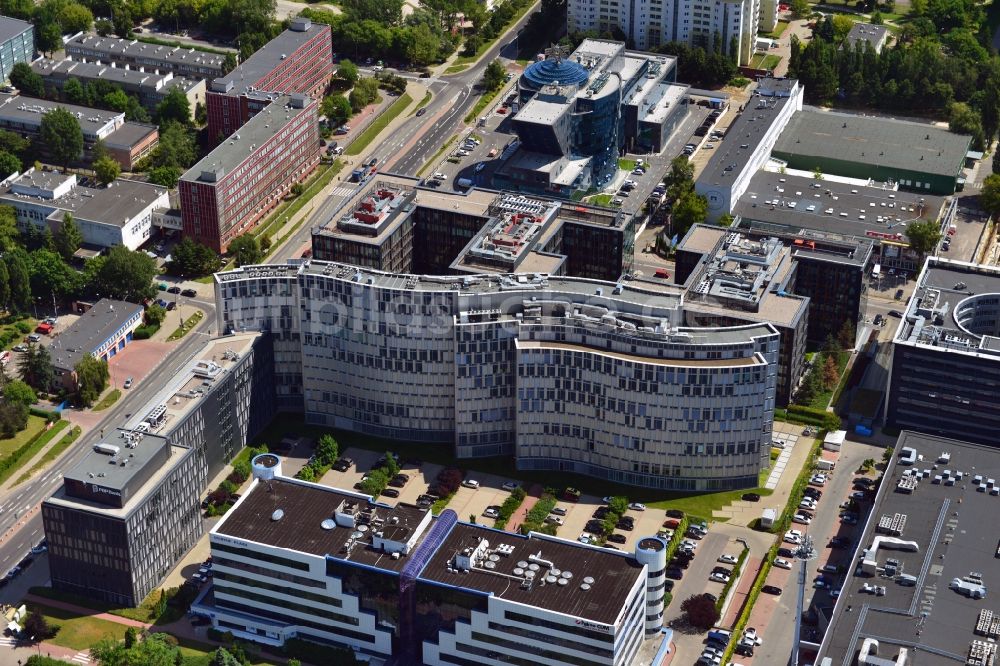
x: 555, y: 70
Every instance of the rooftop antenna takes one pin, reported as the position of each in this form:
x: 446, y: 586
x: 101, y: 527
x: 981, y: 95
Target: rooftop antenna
x: 804, y: 553
x: 558, y: 52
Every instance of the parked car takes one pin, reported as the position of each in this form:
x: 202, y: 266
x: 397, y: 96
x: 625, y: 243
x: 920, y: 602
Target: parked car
x: 470, y: 483
x: 786, y: 552
x: 492, y: 512
x: 782, y: 563
x: 838, y: 542
x: 726, y: 558
x: 751, y: 497
x: 675, y: 513
x: 771, y: 589
x: 128, y: 383
x: 718, y: 577
x: 510, y: 486
x: 616, y: 538
x: 174, y: 290
x: 189, y: 293
x: 636, y: 506
x: 171, y: 305
x: 558, y: 511
x: 421, y: 111
x: 390, y: 492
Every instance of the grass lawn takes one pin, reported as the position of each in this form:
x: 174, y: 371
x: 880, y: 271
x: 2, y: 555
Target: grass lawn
x: 601, y: 199
x: 43, y: 439
x: 765, y: 61
x: 484, y: 101
x: 424, y: 102
x: 108, y: 400
x: 75, y: 631
x: 455, y: 69
x: 35, y: 426
x: 626, y: 165
x: 361, y: 143
x: 701, y: 505
x: 51, y: 454
x: 186, y: 327
x: 822, y: 400
x: 142, y: 613
x: 778, y: 30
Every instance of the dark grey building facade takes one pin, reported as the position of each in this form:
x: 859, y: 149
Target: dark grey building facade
x: 945, y: 374
x: 17, y: 44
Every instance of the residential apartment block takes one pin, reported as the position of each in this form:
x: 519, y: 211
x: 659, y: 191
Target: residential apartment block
x: 119, y: 214
x: 563, y: 373
x: 234, y: 186
x: 391, y: 224
x: 153, y: 58
x: 131, y: 141
x: 301, y: 560
x: 299, y: 60
x: 17, y: 44
x: 130, y: 509
x: 650, y: 23
x: 149, y: 87
x: 945, y: 373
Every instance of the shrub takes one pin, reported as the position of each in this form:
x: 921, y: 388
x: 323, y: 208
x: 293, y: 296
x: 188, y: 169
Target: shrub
x: 23, y: 327
x: 509, y: 506
x: 535, y: 520
x: 700, y: 611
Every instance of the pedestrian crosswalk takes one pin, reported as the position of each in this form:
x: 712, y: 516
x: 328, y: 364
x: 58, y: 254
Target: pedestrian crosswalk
x: 81, y: 657
x: 343, y: 191
x: 8, y: 641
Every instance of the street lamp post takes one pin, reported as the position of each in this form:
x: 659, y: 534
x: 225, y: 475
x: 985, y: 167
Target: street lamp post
x: 805, y: 553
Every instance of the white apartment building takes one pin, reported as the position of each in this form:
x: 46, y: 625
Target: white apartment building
x: 300, y: 560
x: 564, y: 373
x: 650, y: 23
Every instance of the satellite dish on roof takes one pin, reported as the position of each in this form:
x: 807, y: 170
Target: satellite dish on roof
x: 328, y: 524
x: 277, y: 515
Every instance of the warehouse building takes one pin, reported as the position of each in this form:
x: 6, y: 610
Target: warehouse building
x: 154, y: 58
x: 473, y: 359
x: 232, y: 188
x: 945, y: 374
x: 129, y: 510
x: 299, y: 60
x: 119, y: 214
x: 300, y: 560
x: 916, y: 156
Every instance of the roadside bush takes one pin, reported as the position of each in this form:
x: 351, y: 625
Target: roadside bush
x: 535, y: 521
x: 509, y: 506
x: 732, y: 579
x: 448, y: 481
x: 812, y: 416
x: 23, y: 327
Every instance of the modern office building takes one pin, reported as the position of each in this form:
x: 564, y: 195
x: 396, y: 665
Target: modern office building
x: 650, y: 23
x: 129, y: 510
x: 24, y: 116
x: 476, y: 362
x: 17, y: 44
x: 577, y: 113
x: 149, y: 87
x: 740, y: 280
x: 233, y: 187
x: 119, y: 214
x: 394, y: 225
x: 829, y: 270
x: 822, y: 206
x: 153, y: 58
x: 916, y: 156
x: 299, y: 60
x: 945, y: 375
x: 925, y: 548
x: 300, y: 560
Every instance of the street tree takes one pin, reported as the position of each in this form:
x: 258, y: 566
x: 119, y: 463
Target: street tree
x: 91, y: 379
x: 923, y: 236
x: 68, y: 237
x: 107, y: 169
x: 494, y: 75
x: 245, y: 250
x: 61, y: 135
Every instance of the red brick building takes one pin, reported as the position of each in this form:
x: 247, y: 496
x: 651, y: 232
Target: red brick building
x: 299, y: 60
x: 234, y: 186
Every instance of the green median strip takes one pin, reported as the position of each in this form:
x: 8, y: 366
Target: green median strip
x: 50, y: 455
x: 187, y: 326
x: 365, y: 138
x: 483, y: 102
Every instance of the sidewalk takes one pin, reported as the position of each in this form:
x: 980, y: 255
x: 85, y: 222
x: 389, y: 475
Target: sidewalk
x: 738, y: 596
x: 89, y: 612
x: 515, y: 522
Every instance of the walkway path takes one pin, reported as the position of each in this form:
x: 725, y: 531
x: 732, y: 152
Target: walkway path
x: 789, y: 441
x: 515, y: 522
x: 739, y: 595
x: 89, y: 612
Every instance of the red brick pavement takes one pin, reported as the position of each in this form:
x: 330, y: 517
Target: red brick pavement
x: 515, y: 522
x: 739, y: 595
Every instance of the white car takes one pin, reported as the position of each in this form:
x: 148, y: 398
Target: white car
x: 807, y: 505
x: 510, y: 486
x: 750, y: 635
x: 801, y: 520
x: 636, y: 506
x: 377, y: 68
x: 586, y: 538
x: 782, y: 563
x: 791, y: 538
x: 440, y: 176
x: 817, y: 481
x: 470, y: 483
x: 607, y: 500
x: 727, y: 559
x: 491, y: 513
x: 718, y: 577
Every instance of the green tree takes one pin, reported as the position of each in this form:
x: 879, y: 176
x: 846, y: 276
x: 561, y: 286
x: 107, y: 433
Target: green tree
x: 73, y: 91
x: 167, y: 176
x: 494, y: 75
x: 230, y: 62
x: 68, y: 238
x: 155, y: 314
x: 74, y: 18
x: 336, y: 108
x: 989, y: 195
x: 19, y: 280
x: 60, y: 133
x: 51, y: 275
x: 27, y: 81
x: 4, y: 287
x: 347, y: 71
x: 327, y: 450
x: 176, y: 147
x: 222, y: 657
x: 116, y: 100
x: 91, y: 379
x: 691, y: 209
x: 35, y: 367
x: 17, y: 392
x: 106, y: 169
x: 375, y: 483
x: 800, y: 8
x: 391, y: 465
x: 131, y: 637
x: 9, y: 164
x: 245, y: 249
x: 175, y: 107
x: 104, y: 27
x: 48, y: 37
x: 153, y: 650
x: 9, y: 234
x: 962, y: 119
x: 192, y: 259
x: 923, y: 236
x: 126, y: 275
x: 15, y: 144
x: 680, y: 179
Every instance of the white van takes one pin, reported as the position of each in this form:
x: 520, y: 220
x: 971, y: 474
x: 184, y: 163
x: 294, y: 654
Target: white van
x: 825, y: 464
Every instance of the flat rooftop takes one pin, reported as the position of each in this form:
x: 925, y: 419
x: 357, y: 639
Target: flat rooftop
x: 256, y: 132
x: 875, y: 141
x: 610, y: 575
x: 134, y: 49
x: 951, y: 527
x: 115, y: 205
x: 249, y: 72
x: 305, y: 507
x: 868, y: 32
x: 130, y: 134
x: 745, y: 133
x: 936, y: 317
x: 11, y: 28
x: 28, y: 111
x: 803, y: 202
x: 127, y: 78
x: 89, y: 331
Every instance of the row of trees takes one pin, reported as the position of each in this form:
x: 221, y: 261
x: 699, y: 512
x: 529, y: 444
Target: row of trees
x: 932, y: 69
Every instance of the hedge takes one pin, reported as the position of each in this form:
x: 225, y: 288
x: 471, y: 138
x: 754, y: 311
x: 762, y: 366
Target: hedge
x: 812, y: 416
x: 50, y: 417
x: 536, y: 517
x: 509, y: 506
x: 732, y: 579
x: 9, y: 464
